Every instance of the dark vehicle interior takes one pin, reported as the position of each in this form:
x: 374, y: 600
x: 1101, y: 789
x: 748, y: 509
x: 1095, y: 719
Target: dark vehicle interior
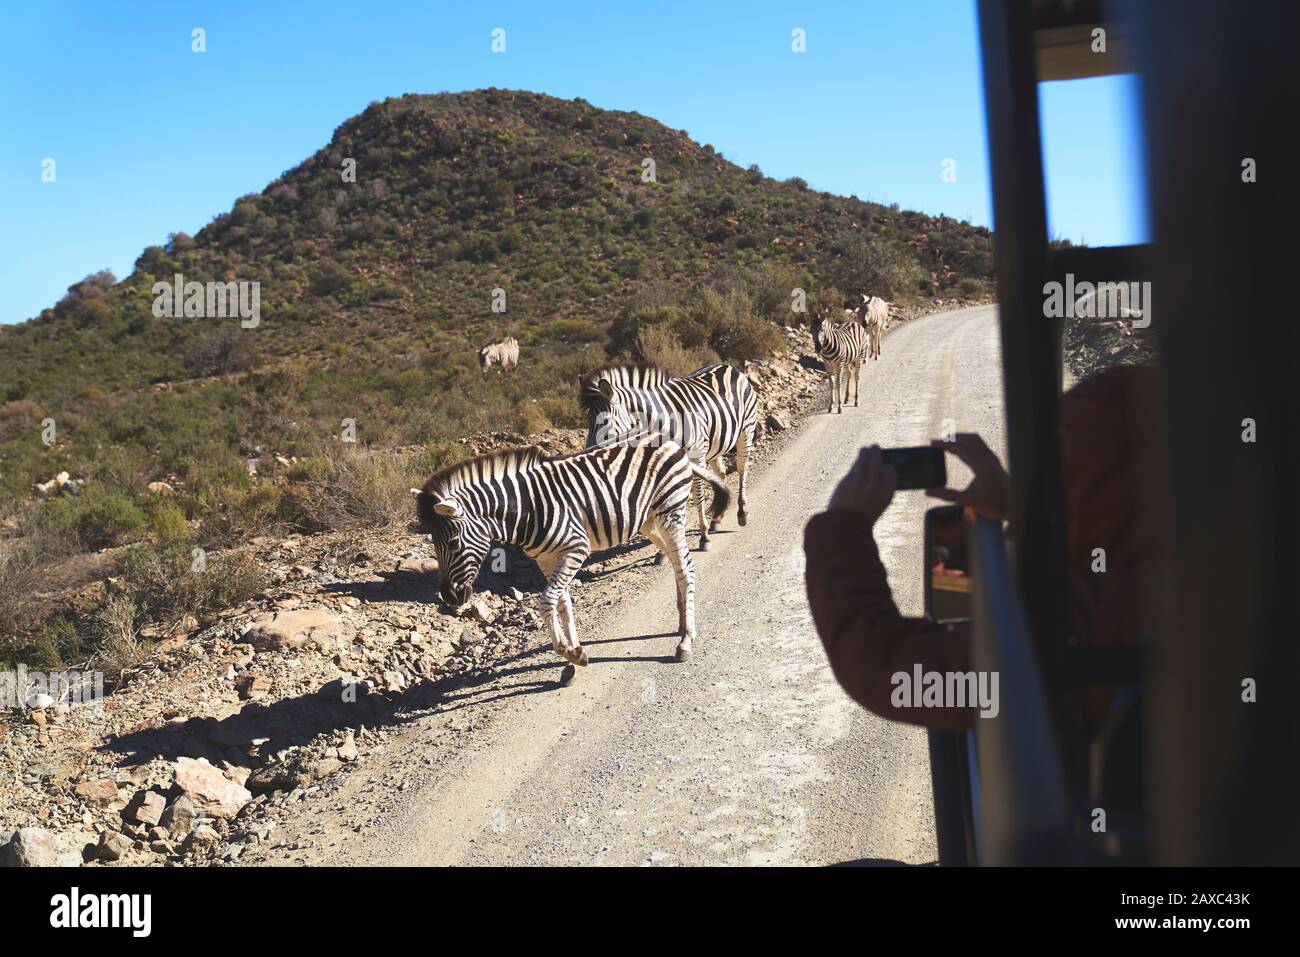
x: 1194, y: 759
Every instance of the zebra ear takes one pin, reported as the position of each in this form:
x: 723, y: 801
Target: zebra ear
x: 415, y: 492
x: 448, y: 508
x: 605, y: 388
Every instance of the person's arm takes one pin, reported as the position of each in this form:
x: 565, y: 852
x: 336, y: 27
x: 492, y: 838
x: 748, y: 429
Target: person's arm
x: 867, y: 641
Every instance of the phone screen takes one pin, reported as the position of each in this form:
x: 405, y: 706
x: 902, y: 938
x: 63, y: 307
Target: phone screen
x: 917, y: 467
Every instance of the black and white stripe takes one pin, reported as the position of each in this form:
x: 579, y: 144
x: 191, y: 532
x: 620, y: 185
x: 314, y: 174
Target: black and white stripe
x: 842, y: 347
x: 505, y: 352
x: 711, y: 412
x: 559, y: 510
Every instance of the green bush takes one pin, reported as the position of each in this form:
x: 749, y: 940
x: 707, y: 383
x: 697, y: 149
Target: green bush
x: 96, y: 518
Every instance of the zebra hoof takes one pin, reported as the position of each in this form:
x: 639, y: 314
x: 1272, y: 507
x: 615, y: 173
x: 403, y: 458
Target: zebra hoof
x: 684, y: 655
x: 705, y: 544
x: 661, y: 558
x: 713, y: 527
x: 567, y: 675
x: 741, y: 519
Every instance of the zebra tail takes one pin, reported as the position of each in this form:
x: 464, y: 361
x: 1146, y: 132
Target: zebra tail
x: 721, y: 494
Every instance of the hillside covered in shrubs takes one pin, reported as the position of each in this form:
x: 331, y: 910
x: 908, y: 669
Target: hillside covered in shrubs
x: 376, y: 293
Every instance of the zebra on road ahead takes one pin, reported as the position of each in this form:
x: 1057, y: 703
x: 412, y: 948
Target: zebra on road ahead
x: 711, y: 412
x: 841, y: 347
x: 559, y: 510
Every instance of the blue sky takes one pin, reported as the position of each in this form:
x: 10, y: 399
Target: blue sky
x: 151, y: 138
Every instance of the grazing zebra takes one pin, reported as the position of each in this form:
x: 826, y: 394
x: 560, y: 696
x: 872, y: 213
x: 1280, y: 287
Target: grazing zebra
x: 711, y: 412
x: 874, y: 313
x: 506, y: 352
x: 841, y: 347
x: 559, y: 510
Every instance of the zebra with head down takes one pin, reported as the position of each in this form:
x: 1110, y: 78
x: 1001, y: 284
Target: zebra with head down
x: 505, y: 353
x: 559, y: 510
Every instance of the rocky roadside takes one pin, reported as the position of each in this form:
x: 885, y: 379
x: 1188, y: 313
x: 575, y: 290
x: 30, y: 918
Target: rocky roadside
x: 201, y: 752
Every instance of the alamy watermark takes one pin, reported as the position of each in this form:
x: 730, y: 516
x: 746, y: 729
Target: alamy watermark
x: 210, y: 300
x: 946, y: 689
x: 1102, y: 300
x: 40, y: 689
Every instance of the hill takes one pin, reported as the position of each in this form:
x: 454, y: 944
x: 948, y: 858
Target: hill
x: 376, y: 291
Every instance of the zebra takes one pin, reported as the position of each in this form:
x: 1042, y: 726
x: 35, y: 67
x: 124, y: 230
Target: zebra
x: 841, y: 348
x: 711, y: 412
x: 874, y: 313
x: 506, y: 352
x: 558, y: 510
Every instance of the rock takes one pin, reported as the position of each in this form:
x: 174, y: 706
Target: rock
x: 37, y: 847
x: 777, y: 423
x: 272, y: 777
x: 253, y: 686
x: 112, y: 846
x: 200, y: 837
x: 102, y: 791
x: 318, y: 770
x: 234, y: 732
x: 295, y: 629
x: 179, y: 817
x: 342, y: 689
x: 146, y: 808
x: 480, y: 609
x: 212, y: 793
x: 347, y: 751
x: 418, y: 567
x: 161, y: 488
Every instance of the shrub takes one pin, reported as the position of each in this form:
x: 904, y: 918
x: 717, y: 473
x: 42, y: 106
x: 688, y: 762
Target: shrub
x: 351, y: 489
x: 530, y: 417
x: 226, y: 349
x: 96, y: 518
x: 660, y: 345
x: 164, y: 584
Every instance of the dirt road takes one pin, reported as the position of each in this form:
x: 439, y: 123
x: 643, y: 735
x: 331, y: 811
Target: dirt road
x: 750, y: 754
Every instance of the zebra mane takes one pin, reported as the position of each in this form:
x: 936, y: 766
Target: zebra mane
x: 480, y: 468
x: 636, y: 375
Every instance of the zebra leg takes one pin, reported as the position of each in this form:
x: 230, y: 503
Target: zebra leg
x: 697, y: 500
x: 743, y: 443
x: 569, y: 620
x: 857, y: 379
x: 847, y: 376
x: 564, y: 641
x: 715, y: 466
x: 673, y: 529
x: 547, y: 610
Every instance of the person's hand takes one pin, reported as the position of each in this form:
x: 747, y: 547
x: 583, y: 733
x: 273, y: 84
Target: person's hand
x: 989, y: 491
x: 868, y: 487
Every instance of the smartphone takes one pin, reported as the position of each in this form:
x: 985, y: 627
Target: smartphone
x: 917, y: 467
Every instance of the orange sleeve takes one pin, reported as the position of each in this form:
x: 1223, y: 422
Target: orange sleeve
x: 867, y: 641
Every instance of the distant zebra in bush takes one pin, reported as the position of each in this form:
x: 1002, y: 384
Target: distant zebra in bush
x: 559, y: 510
x: 505, y: 352
x: 841, y: 347
x: 711, y: 412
